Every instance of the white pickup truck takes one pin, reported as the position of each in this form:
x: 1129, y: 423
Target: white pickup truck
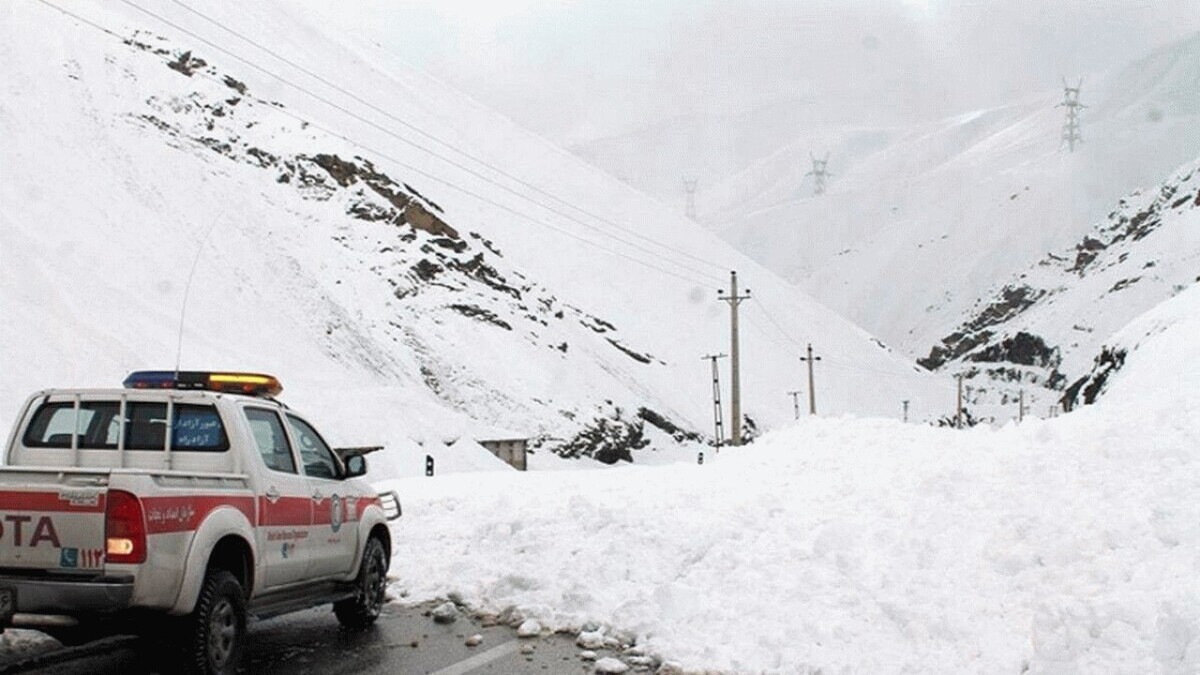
x: 179, y: 506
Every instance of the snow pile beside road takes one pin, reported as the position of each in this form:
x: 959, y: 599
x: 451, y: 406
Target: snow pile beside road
x: 1068, y: 545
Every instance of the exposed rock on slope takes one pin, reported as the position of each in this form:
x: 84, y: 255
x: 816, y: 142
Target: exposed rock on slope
x: 1044, y: 326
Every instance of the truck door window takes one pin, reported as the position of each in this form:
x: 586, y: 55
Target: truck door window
x: 196, y: 428
x: 318, y: 459
x: 271, y: 440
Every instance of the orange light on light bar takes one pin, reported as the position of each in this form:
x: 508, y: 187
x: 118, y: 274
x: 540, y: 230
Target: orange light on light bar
x: 245, y: 383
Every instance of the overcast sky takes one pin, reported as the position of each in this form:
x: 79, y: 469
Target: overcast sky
x: 578, y: 69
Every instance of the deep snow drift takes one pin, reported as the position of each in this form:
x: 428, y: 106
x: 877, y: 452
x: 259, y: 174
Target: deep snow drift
x: 1061, y: 546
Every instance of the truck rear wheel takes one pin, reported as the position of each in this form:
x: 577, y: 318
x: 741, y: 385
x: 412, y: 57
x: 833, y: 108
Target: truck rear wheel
x: 362, y: 610
x: 216, y: 630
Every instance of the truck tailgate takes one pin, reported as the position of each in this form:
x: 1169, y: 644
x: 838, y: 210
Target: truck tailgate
x: 52, y: 519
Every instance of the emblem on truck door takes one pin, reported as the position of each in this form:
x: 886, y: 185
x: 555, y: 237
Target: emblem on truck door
x: 335, y: 512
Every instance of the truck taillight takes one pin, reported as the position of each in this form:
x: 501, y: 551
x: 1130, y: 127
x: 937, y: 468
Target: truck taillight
x: 124, y: 528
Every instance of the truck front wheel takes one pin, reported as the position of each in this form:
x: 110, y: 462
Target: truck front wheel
x: 362, y: 610
x: 216, y: 631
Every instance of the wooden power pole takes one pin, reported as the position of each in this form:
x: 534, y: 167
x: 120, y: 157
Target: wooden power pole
x: 1021, y: 407
x: 905, y: 404
x: 812, y: 393
x: 735, y: 386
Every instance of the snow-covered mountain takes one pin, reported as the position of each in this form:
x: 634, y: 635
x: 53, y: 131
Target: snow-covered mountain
x: 913, y: 231
x: 1047, y: 324
x: 416, y: 269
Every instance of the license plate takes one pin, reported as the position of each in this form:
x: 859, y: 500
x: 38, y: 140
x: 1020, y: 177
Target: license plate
x: 8, y: 604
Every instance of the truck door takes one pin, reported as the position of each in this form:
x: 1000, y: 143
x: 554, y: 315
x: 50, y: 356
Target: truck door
x: 334, y: 532
x: 284, y: 525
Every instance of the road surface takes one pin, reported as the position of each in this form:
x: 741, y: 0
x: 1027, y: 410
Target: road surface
x: 405, y: 641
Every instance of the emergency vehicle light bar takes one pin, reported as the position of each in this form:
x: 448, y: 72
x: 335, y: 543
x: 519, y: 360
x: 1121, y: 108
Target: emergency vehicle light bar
x: 251, y: 384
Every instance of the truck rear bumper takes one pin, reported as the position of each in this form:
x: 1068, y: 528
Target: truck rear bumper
x: 67, y: 597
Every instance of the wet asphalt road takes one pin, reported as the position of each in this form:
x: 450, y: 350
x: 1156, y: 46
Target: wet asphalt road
x: 405, y: 641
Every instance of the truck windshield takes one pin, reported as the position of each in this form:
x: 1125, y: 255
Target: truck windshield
x: 195, y: 427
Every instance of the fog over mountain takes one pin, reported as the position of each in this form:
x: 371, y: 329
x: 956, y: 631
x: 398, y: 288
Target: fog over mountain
x: 576, y: 71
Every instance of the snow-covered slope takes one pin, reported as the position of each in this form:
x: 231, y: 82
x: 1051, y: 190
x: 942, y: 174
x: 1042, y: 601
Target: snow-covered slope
x: 1159, y: 347
x: 868, y: 546
x: 1046, y: 324
x: 403, y: 291
x: 909, y: 236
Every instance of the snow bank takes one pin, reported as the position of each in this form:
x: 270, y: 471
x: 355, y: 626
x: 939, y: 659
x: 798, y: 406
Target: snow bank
x: 1062, y: 546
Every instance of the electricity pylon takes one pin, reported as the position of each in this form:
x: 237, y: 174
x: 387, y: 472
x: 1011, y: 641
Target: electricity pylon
x: 819, y: 173
x: 689, y: 190
x: 1070, y: 130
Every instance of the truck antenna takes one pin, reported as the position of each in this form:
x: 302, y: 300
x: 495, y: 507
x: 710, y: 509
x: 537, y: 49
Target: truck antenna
x: 187, y: 290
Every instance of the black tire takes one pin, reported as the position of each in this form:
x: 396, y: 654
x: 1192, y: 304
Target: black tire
x: 362, y: 610
x: 215, y: 633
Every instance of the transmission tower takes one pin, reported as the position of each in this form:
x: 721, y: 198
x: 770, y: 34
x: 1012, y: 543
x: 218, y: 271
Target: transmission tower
x: 819, y: 173
x: 689, y: 190
x: 1070, y: 130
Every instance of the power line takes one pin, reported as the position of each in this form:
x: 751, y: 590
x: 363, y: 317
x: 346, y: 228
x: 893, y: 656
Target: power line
x: 470, y: 171
x: 874, y: 371
x: 408, y: 125
x: 833, y: 362
x: 775, y: 323
x: 446, y: 183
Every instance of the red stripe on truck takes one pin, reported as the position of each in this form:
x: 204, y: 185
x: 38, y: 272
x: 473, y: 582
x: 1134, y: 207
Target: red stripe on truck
x: 67, y: 501
x: 364, y: 502
x: 285, y: 512
x: 182, y: 514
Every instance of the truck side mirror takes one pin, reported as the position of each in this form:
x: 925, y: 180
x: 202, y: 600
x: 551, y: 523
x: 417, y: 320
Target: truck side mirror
x: 356, y: 465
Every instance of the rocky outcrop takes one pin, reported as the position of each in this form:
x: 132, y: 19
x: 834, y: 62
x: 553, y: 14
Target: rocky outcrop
x: 1088, y: 388
x: 1034, y: 328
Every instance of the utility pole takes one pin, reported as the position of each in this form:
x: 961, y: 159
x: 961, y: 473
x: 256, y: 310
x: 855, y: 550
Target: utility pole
x: 1070, y: 131
x: 718, y: 424
x: 819, y: 173
x: 1021, y: 407
x: 795, y: 402
x: 734, y: 367
x: 958, y: 415
x: 812, y: 393
x: 905, y: 404
x: 689, y: 190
